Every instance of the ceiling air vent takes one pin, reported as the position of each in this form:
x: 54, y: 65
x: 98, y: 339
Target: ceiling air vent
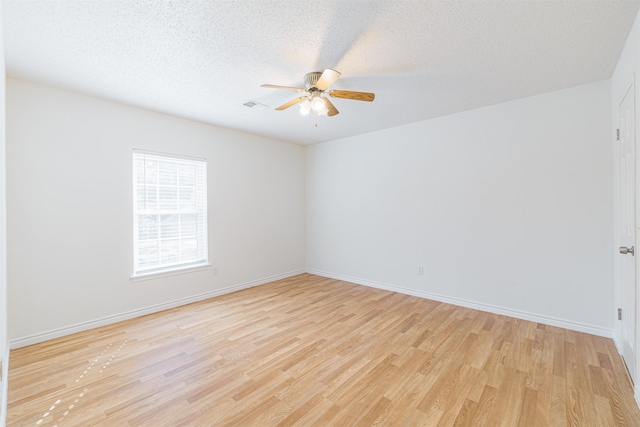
x: 256, y: 105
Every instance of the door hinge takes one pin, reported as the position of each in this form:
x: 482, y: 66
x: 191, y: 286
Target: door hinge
x: 617, y: 134
x: 619, y: 314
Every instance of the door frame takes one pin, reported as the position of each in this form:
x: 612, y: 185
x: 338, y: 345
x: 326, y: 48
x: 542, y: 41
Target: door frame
x: 618, y: 288
x: 634, y: 83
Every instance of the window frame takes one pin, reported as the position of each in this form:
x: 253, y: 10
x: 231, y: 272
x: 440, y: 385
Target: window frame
x: 200, y: 211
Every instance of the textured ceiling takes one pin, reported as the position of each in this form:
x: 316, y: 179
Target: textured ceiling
x: 204, y: 59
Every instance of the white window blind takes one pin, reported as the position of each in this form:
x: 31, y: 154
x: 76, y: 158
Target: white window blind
x: 170, y: 212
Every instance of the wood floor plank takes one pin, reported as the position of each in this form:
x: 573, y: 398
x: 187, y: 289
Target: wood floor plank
x: 309, y: 350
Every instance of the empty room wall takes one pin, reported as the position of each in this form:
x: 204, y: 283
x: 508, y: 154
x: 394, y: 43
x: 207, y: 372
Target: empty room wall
x: 4, y: 348
x: 506, y: 208
x: 69, y: 185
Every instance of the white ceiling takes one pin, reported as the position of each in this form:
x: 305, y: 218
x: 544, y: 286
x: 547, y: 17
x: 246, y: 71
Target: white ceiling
x: 204, y: 59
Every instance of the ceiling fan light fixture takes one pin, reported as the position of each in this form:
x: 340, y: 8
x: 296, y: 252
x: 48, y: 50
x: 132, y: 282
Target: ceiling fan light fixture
x: 324, y: 110
x: 305, y: 107
x: 317, y: 104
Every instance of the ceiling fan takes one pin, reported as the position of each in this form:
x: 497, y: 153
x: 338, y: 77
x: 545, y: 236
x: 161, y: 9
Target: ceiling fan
x: 316, y: 85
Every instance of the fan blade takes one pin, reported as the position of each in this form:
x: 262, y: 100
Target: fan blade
x: 357, y: 96
x: 299, y: 89
x: 327, y: 78
x: 332, y: 108
x: 290, y: 103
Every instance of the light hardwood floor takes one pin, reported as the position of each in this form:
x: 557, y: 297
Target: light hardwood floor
x: 315, y: 351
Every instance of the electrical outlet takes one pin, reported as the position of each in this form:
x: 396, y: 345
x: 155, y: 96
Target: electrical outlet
x: 215, y: 270
x: 420, y: 271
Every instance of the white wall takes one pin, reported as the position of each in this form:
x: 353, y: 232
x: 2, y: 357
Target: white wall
x: 69, y: 196
x: 508, y: 208
x: 625, y: 73
x: 4, y: 345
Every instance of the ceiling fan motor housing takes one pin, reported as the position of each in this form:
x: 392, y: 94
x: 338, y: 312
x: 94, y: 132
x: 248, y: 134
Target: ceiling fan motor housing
x: 311, y: 79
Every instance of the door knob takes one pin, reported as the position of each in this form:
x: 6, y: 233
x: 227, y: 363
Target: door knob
x: 625, y: 250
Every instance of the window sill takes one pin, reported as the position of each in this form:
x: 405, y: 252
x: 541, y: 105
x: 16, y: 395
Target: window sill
x: 174, y: 272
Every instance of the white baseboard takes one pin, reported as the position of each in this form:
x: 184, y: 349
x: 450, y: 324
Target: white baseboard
x: 617, y: 342
x: 547, y: 320
x: 68, y: 330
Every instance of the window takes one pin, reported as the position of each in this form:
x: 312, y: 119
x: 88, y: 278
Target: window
x: 169, y: 211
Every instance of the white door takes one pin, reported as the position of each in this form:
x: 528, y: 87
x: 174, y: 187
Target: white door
x: 627, y: 222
